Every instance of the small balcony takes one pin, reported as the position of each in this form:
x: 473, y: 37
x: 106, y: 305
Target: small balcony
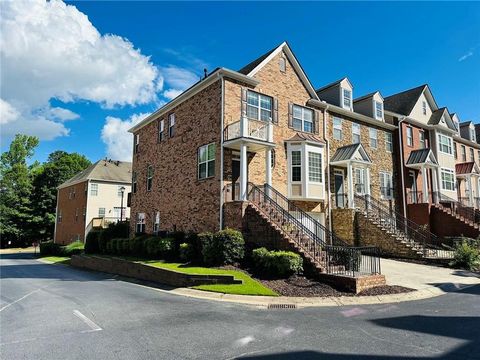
x: 256, y: 133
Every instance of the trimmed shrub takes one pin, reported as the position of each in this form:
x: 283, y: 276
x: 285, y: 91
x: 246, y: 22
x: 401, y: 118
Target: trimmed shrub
x: 186, y: 252
x: 158, y: 247
x: 277, y: 263
x: 108, y: 246
x: 74, y: 248
x: 119, y: 230
x: 91, y: 243
x: 50, y: 248
x: 210, y: 252
x: 466, y: 256
x: 231, y: 245
x: 137, y: 247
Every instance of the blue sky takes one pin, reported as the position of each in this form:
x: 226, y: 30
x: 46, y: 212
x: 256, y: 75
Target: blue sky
x: 380, y: 46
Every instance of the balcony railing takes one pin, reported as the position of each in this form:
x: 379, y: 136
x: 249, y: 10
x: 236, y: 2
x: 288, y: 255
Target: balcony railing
x: 249, y: 128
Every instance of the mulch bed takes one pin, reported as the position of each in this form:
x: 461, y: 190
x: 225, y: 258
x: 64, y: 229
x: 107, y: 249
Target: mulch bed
x: 303, y: 287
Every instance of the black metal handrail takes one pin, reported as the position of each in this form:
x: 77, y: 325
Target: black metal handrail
x: 468, y: 213
x: 399, y: 225
x: 310, y: 235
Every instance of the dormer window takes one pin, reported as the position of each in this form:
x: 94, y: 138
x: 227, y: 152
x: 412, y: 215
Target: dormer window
x: 347, y: 99
x: 472, y: 134
x: 424, y: 107
x: 378, y: 110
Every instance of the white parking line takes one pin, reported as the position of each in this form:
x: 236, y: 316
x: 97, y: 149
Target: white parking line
x: 87, y: 321
x: 23, y: 297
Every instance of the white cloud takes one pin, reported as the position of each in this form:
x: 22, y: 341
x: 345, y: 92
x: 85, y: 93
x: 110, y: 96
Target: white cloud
x: 51, y: 50
x: 40, y: 126
x: 171, y: 93
x: 116, y: 137
x: 8, y: 113
x: 466, y: 56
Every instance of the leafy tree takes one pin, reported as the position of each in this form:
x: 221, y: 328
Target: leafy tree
x: 16, y: 189
x: 59, y: 167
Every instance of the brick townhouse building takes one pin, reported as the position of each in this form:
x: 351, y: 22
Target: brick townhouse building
x: 197, y: 159
x: 92, y: 198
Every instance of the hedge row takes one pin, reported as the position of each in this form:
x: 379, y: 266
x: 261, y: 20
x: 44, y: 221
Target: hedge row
x: 277, y: 263
x: 52, y: 249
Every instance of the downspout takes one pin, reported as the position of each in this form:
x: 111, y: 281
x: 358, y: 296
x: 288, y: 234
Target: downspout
x: 329, y: 206
x: 404, y: 199
x: 221, y: 153
x: 56, y: 218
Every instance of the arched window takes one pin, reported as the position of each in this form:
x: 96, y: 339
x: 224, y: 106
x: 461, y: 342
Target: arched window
x: 282, y: 63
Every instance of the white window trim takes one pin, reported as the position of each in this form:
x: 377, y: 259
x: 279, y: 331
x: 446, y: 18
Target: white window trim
x: 137, y: 143
x: 342, y: 92
x: 308, y: 166
x: 302, y: 119
x: 259, y: 106
x: 370, y: 138
x: 304, y: 149
x: 359, y: 127
x: 171, y: 124
x: 447, y: 171
x: 337, y: 127
x: 375, y: 103
x: 363, y: 179
x: 389, y: 135
x: 439, y: 136
x: 93, y: 189
x: 389, y: 184
x: 409, y: 138
x: 206, y: 162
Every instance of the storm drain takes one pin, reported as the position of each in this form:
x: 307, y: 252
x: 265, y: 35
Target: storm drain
x: 282, y: 306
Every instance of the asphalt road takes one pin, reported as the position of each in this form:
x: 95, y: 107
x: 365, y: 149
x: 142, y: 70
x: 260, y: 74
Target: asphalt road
x: 57, y: 312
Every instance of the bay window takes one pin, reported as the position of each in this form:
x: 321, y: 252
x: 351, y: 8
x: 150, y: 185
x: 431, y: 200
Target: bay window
x: 296, y: 166
x: 314, y: 167
x: 305, y: 171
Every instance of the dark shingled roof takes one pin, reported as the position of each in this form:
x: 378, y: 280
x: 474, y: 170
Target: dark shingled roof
x: 477, y: 132
x: 418, y: 156
x: 403, y: 103
x: 305, y: 137
x: 249, y: 67
x: 346, y: 152
x: 465, y: 123
x: 106, y: 170
x: 329, y: 85
x: 464, y: 168
x: 437, y: 115
x: 364, y: 97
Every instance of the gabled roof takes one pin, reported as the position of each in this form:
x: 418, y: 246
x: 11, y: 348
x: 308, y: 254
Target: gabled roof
x: 404, y: 102
x: 437, y: 116
x: 306, y: 137
x: 465, y: 123
x: 422, y: 156
x: 103, y: 170
x: 372, y: 94
x: 252, y: 68
x: 333, y: 84
x: 348, y: 152
x: 467, y: 168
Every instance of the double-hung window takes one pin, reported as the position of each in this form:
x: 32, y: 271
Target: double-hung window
x: 388, y: 142
x: 448, y: 179
x: 137, y: 143
x: 455, y: 150
x: 171, y: 125
x: 409, y: 136
x: 337, y: 128
x: 314, y: 167
x: 421, y: 135
x: 101, y: 212
x: 360, y: 181
x: 355, y: 133
x: 472, y: 155
x: 140, y: 226
x: 472, y: 134
x: 464, y: 153
x: 206, y: 161
x: 296, y: 166
x: 259, y: 107
x: 347, y: 99
x: 94, y: 189
x: 378, y: 110
x: 386, y: 186
x: 156, y: 224
x: 149, y: 177
x: 373, y: 138
x: 134, y: 182
x: 445, y: 144
x: 161, y: 130
x: 302, y: 118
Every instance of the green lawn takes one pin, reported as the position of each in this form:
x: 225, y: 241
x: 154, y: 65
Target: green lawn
x: 57, y: 259
x: 249, y: 286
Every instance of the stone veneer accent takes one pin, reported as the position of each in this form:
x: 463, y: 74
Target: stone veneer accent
x: 184, y: 202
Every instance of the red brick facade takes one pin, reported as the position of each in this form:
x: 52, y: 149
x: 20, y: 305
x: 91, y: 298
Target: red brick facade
x: 71, y: 208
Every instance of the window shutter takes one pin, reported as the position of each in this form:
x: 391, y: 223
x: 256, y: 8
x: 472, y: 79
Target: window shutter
x: 290, y: 114
x: 244, y: 101
x: 316, y: 122
x: 275, y: 111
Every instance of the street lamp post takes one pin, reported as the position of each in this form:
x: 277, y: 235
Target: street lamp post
x: 122, y: 190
